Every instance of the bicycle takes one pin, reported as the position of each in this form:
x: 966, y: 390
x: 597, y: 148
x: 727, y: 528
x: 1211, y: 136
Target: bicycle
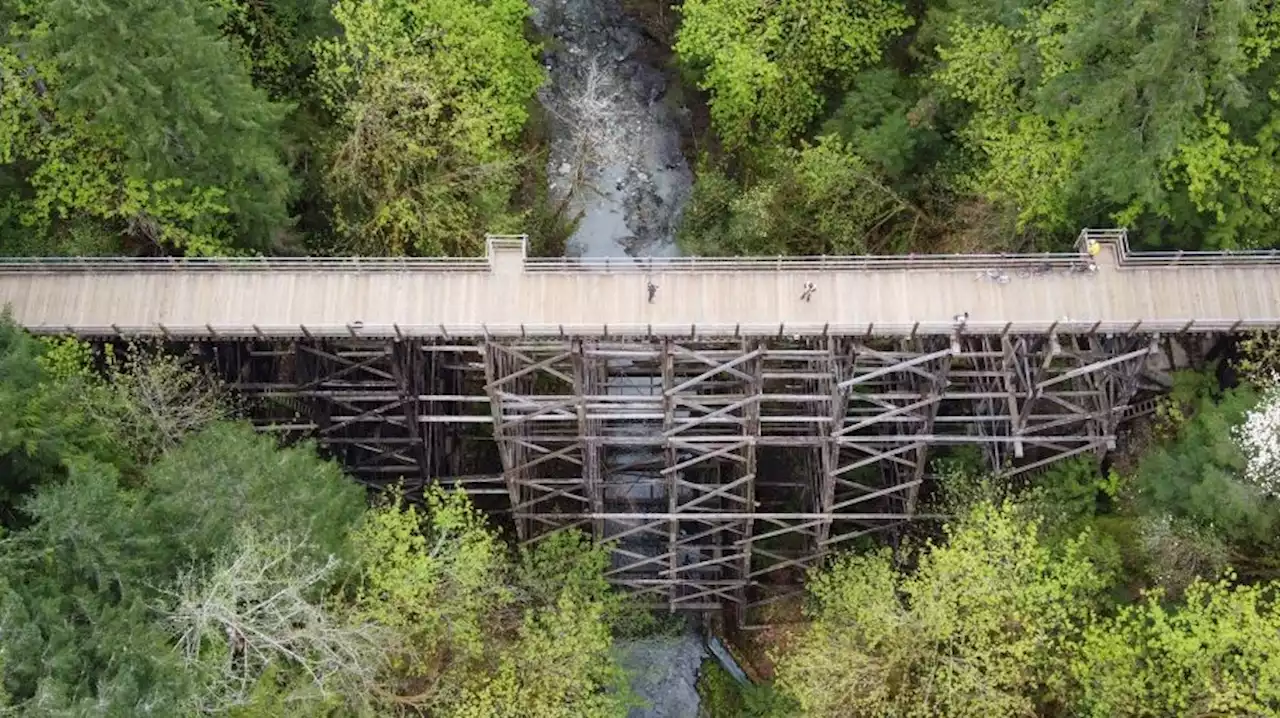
x: 1038, y: 270
x: 995, y: 275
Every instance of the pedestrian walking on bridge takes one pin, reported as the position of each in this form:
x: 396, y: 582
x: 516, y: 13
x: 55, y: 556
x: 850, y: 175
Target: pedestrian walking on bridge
x: 1092, y: 247
x: 653, y: 290
x: 809, y: 289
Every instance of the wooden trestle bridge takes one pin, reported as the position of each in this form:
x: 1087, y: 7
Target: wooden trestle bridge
x: 724, y: 436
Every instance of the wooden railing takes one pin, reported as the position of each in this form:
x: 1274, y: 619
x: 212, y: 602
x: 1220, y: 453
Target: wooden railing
x: 1177, y: 258
x: 386, y: 331
x: 93, y: 265
x: 1017, y: 263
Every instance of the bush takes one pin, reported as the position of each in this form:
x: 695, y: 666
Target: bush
x: 1198, y: 475
x: 1218, y: 653
x: 986, y: 625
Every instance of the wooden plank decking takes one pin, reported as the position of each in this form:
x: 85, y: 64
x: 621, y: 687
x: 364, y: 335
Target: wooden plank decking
x: 511, y: 296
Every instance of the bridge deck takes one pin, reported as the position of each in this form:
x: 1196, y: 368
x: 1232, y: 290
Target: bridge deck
x: 508, y: 294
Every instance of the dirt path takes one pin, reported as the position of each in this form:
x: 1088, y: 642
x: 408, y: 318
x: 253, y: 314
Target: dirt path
x: 615, y: 147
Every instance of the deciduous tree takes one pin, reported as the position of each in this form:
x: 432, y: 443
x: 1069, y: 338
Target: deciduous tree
x: 1215, y: 653
x: 985, y: 625
x: 263, y: 604
x: 483, y: 635
x: 430, y: 95
x: 769, y: 66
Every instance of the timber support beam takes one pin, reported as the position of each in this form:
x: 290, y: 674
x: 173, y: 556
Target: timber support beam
x: 719, y: 469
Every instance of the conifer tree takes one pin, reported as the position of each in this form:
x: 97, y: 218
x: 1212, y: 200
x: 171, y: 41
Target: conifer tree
x: 140, y: 115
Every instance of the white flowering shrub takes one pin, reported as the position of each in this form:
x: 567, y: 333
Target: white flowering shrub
x: 1258, y: 436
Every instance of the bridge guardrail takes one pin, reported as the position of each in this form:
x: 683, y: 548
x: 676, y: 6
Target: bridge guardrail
x: 868, y: 262
x: 259, y: 264
x: 359, y: 330
x: 1126, y: 258
x: 534, y: 264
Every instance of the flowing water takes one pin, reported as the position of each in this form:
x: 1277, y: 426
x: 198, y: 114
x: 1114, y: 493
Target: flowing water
x: 615, y: 142
x: 615, y: 154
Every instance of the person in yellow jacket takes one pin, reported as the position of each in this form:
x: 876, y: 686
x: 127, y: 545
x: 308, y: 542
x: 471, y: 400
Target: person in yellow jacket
x: 1092, y: 247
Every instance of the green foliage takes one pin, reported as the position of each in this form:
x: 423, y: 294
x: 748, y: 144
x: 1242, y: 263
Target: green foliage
x: 153, y: 400
x: 1175, y: 408
x: 136, y: 114
x: 768, y: 67
x: 884, y: 121
x: 719, y: 695
x: 42, y: 421
x: 964, y: 482
x: 559, y: 666
x: 143, y: 403
x: 275, y: 694
x: 66, y: 358
x: 1176, y: 552
x: 430, y: 96
x: 1196, y: 476
x: 1259, y: 363
x: 723, y: 697
x: 212, y: 572
x: 1071, y: 496
x: 820, y: 199
x: 227, y: 473
x: 102, y: 659
x: 75, y: 625
x: 482, y: 634
x: 276, y: 37
x: 986, y: 625
x: 87, y: 574
x: 567, y: 562
x: 1072, y: 489
x: 1154, y: 114
x: 1218, y: 653
x: 435, y: 582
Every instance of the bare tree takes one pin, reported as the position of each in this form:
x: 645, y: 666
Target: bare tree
x: 261, y: 606
x: 158, y: 398
x: 597, y: 115
x: 1178, y: 552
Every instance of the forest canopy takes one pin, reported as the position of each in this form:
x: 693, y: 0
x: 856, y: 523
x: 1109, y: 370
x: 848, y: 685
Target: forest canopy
x: 1008, y: 124
x: 390, y: 127
x: 161, y: 558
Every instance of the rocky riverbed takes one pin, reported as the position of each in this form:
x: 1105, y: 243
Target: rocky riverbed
x: 664, y: 672
x: 615, y: 154
x: 615, y: 143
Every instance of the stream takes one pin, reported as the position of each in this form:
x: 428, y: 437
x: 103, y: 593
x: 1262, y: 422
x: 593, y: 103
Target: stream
x: 615, y: 143
x: 615, y: 155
